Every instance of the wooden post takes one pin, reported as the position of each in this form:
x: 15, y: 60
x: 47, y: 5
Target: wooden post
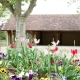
x: 40, y: 37
x: 32, y: 33
x: 57, y: 35
x: 29, y: 34
x: 10, y: 37
x: 7, y: 38
x: 14, y: 35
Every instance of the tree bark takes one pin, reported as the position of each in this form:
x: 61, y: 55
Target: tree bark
x: 20, y: 21
x: 20, y: 30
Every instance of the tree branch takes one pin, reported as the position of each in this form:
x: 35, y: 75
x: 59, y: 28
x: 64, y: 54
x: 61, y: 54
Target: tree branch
x: 18, y: 8
x: 6, y: 4
x: 30, y: 8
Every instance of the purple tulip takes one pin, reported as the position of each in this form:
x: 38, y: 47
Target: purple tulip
x: 56, y: 74
x: 23, y: 78
x: 13, y: 77
x: 2, y: 54
x: 79, y: 64
x: 37, y: 73
x: 17, y: 78
x: 60, y: 63
x: 30, y: 76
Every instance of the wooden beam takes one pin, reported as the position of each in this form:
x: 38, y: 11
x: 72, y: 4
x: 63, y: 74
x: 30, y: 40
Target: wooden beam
x: 57, y: 35
x: 33, y: 33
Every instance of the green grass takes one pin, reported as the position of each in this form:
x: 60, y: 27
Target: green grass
x: 3, y: 43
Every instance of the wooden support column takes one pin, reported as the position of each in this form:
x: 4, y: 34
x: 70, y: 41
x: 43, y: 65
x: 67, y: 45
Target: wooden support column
x: 10, y: 33
x: 14, y: 35
x: 29, y: 35
x: 57, y: 35
x: 32, y: 34
x: 7, y: 38
x: 41, y: 37
x: 61, y: 38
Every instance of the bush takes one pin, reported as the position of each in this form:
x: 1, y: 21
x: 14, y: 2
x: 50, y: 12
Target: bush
x: 2, y: 35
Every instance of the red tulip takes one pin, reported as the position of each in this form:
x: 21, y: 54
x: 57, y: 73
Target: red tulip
x: 52, y: 62
x: 30, y: 45
x: 53, y: 50
x: 56, y: 48
x: 12, y: 45
x: 74, y: 51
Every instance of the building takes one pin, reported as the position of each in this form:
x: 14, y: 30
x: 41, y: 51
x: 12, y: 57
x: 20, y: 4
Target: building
x: 65, y: 27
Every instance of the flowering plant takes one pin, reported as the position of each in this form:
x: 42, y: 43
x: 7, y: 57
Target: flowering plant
x: 33, y: 64
x: 3, y: 67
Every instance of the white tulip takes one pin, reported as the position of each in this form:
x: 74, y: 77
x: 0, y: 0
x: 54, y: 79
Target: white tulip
x: 36, y: 41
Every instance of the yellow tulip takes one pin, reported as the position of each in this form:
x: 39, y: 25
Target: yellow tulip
x: 0, y: 62
x: 78, y: 68
x: 42, y: 78
x: 74, y: 59
x: 60, y: 69
x: 47, y: 78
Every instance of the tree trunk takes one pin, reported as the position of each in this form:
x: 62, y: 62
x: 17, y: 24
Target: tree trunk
x: 20, y: 20
x: 20, y: 30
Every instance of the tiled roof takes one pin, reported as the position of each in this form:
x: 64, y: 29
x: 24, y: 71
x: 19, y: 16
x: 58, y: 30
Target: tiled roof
x: 60, y: 22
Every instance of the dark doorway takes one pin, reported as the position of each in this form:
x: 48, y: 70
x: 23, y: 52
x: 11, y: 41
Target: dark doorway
x: 66, y: 37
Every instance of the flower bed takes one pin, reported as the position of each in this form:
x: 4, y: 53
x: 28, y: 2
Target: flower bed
x: 33, y: 64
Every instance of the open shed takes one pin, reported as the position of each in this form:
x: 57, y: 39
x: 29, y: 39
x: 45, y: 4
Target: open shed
x: 65, y: 27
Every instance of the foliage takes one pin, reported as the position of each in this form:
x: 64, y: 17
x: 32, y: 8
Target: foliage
x: 2, y: 9
x: 32, y: 63
x: 2, y: 35
x: 3, y: 67
x: 77, y: 3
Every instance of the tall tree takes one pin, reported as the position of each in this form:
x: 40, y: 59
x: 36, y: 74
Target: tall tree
x: 2, y: 9
x: 15, y: 8
x: 77, y: 2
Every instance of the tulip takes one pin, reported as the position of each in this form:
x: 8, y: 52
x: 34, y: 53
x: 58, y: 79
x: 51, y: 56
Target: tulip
x: 12, y: 45
x: 36, y: 41
x: 74, y: 51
